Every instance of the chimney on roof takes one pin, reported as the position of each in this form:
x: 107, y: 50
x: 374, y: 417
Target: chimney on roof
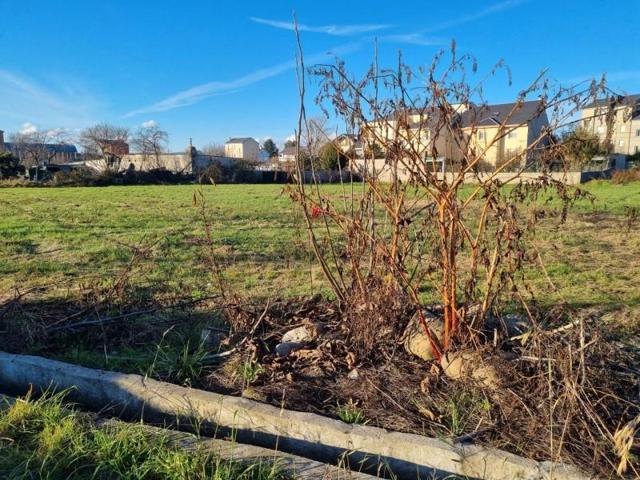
x: 2, y: 147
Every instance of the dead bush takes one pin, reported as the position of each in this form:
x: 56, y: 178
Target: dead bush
x: 626, y: 176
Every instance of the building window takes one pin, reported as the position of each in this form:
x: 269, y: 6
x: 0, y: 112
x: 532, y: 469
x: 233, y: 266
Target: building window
x: 512, y: 135
x: 637, y: 149
x: 481, y: 135
x: 638, y: 132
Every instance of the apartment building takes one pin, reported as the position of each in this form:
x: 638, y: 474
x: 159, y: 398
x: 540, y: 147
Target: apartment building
x: 498, y: 132
x: 622, y: 132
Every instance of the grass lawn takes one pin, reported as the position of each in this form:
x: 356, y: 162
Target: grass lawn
x: 65, y: 237
x: 46, y: 438
x: 74, y: 235
x: 71, y: 240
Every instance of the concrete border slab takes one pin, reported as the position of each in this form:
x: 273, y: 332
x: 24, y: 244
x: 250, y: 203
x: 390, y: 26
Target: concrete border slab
x: 312, y: 436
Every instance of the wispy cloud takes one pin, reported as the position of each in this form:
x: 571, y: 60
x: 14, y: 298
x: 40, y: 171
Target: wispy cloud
x: 198, y: 93
x: 415, y: 38
x: 470, y: 17
x: 423, y: 37
x: 201, y: 92
x: 339, y: 30
x: 26, y: 99
x: 149, y: 124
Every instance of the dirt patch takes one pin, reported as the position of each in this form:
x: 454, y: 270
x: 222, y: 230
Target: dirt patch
x: 558, y: 392
x: 565, y: 386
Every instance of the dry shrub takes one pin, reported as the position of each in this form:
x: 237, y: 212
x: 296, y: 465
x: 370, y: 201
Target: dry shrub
x: 626, y: 176
x: 569, y: 390
x: 409, y: 222
x: 237, y: 316
x: 373, y: 321
x: 623, y: 440
x: 409, y: 227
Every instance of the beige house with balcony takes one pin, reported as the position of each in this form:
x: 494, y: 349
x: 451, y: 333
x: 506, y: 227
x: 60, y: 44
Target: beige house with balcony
x: 503, y: 131
x: 624, y: 137
x: 246, y: 148
x: 498, y: 132
x: 288, y: 154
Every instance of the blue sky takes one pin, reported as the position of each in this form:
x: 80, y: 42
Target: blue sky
x: 211, y: 70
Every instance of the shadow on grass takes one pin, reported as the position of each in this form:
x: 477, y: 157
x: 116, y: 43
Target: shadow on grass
x: 126, y: 337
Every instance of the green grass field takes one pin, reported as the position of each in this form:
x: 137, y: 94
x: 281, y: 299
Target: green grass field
x: 56, y: 236
x: 70, y: 240
x: 65, y: 237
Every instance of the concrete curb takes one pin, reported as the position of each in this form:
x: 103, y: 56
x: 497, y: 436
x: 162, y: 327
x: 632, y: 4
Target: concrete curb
x: 312, y: 436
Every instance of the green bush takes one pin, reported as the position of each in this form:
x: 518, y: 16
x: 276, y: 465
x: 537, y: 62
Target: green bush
x: 83, y: 177
x: 331, y: 158
x: 10, y: 166
x: 579, y: 146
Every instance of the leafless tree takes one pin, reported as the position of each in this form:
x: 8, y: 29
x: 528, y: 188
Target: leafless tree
x: 151, y: 142
x: 37, y: 148
x: 314, y: 136
x: 215, y: 149
x: 106, y: 144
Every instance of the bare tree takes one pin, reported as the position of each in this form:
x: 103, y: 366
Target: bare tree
x: 215, y: 149
x: 38, y: 147
x: 314, y: 136
x: 151, y: 142
x: 107, y: 144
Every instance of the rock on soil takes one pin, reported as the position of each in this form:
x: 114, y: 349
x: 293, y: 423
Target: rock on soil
x: 296, y: 339
x: 469, y: 365
x: 212, y: 338
x: 416, y: 341
x: 510, y: 325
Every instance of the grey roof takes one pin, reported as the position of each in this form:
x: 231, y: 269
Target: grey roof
x: 617, y: 100
x: 493, y: 115
x: 51, y: 147
x: 241, y: 140
x: 347, y: 135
